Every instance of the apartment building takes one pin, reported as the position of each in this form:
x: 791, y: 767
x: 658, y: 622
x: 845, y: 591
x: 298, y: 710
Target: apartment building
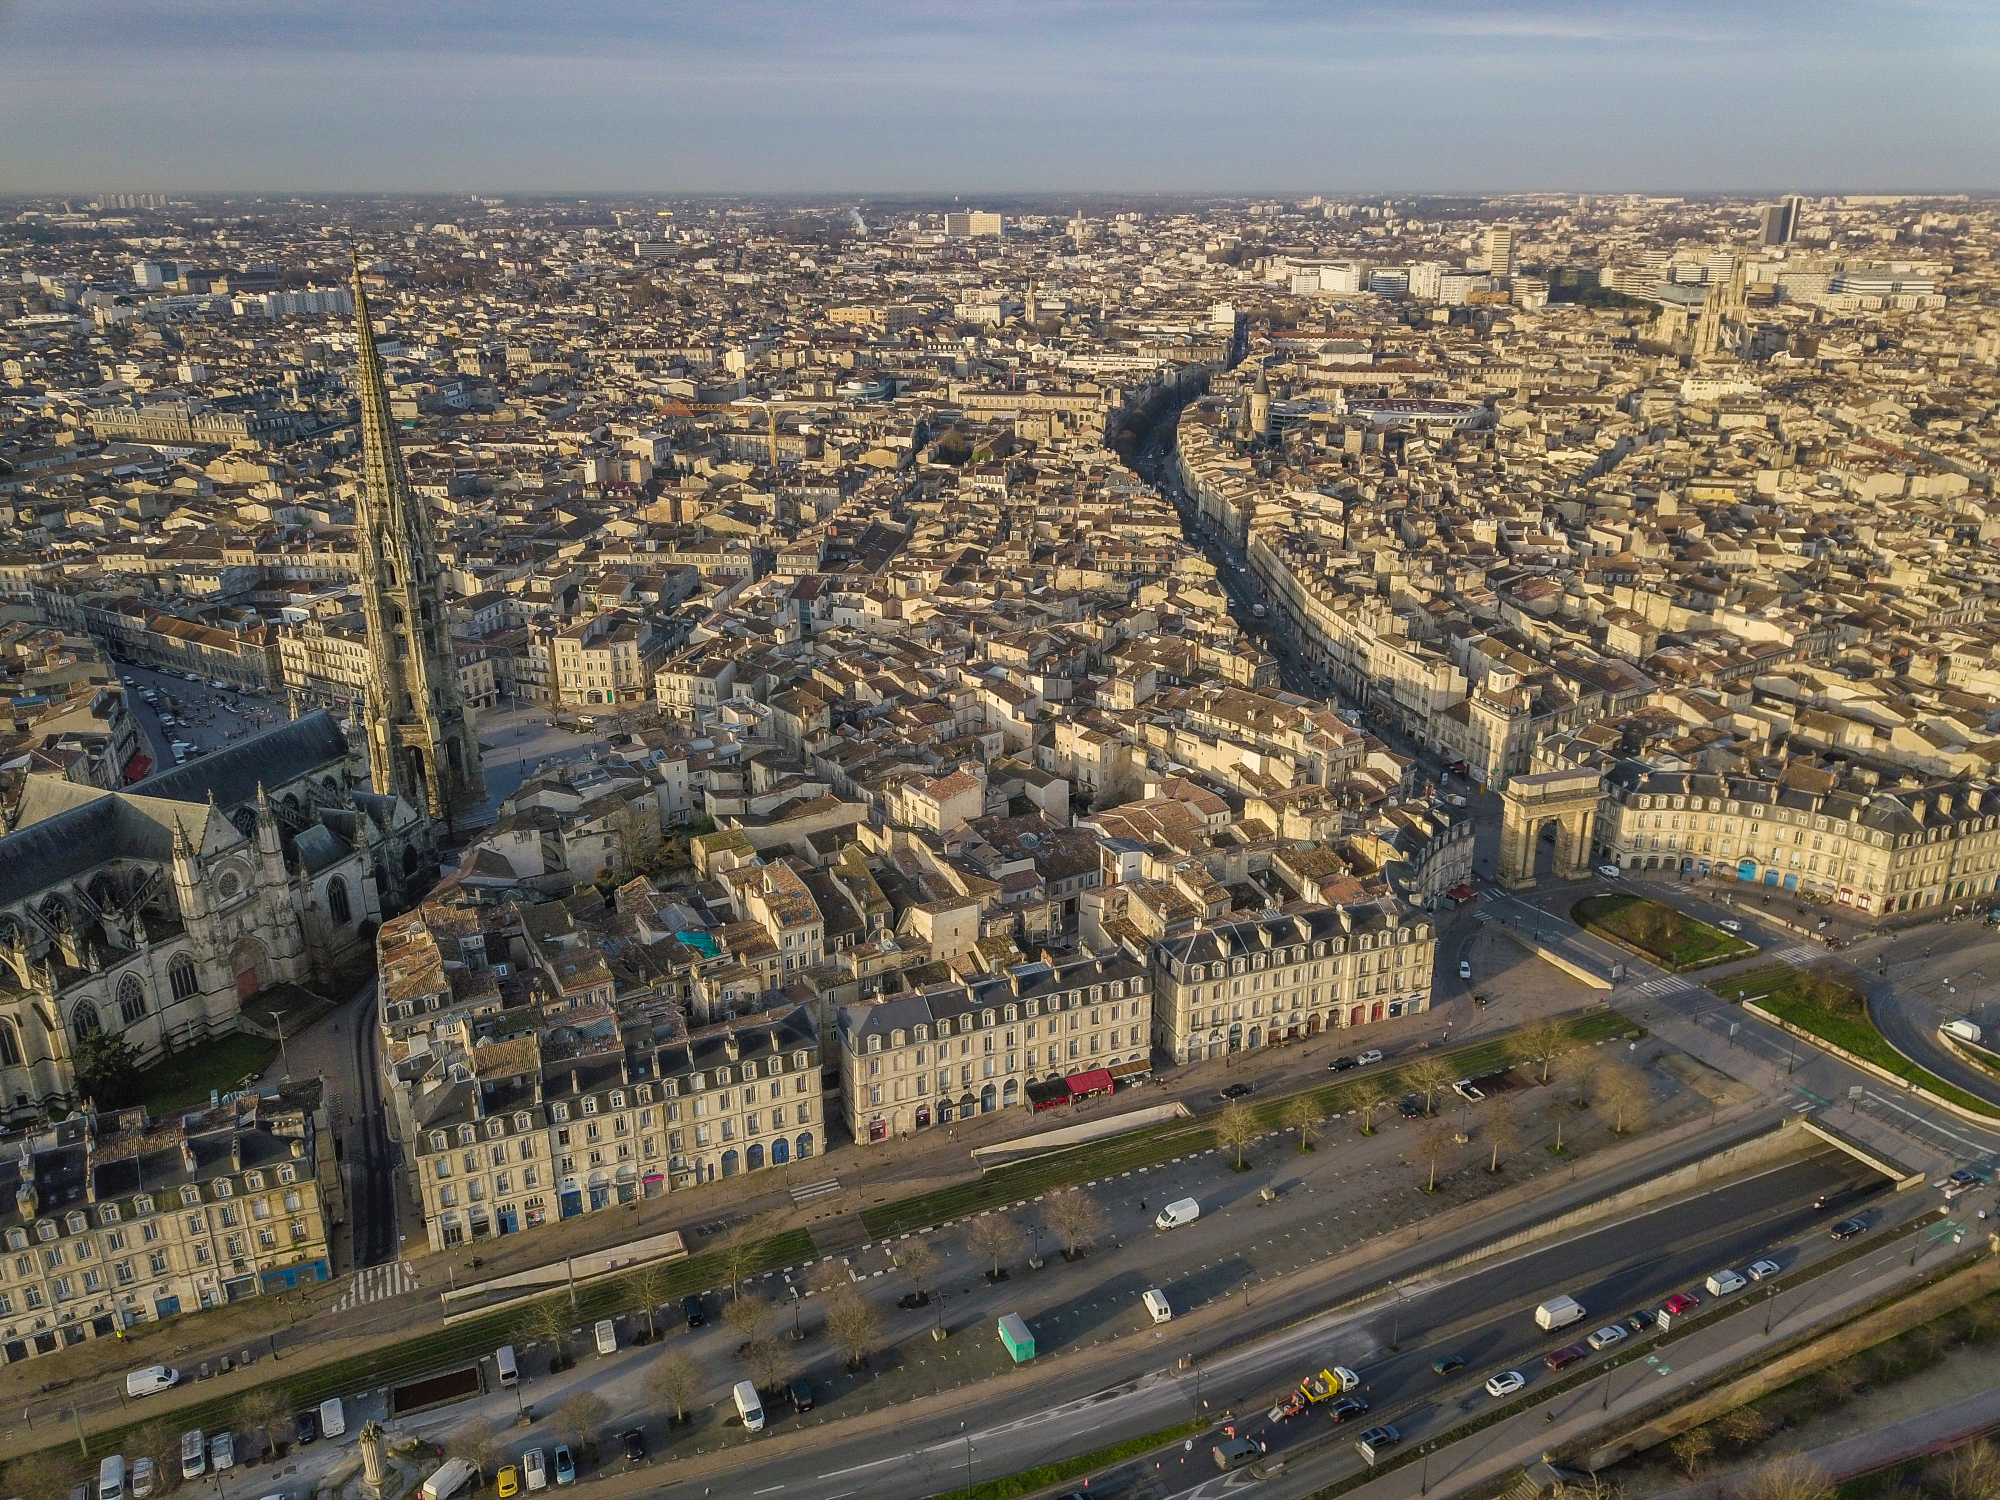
x: 548, y: 1127
x: 117, y: 1219
x: 1240, y: 985
x: 919, y: 1060
x: 1842, y: 840
x: 607, y: 658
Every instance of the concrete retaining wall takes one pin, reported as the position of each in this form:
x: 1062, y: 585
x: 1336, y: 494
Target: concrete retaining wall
x: 1787, y: 1139
x: 1576, y: 969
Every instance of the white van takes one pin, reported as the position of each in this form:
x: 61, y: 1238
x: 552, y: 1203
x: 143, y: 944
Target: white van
x: 449, y: 1479
x: 534, y: 1471
x: 1157, y: 1304
x: 1965, y: 1031
x: 1180, y: 1211
x: 150, y: 1380
x: 111, y: 1478
x: 503, y: 1361
x: 1722, y: 1283
x: 748, y: 1406
x: 607, y: 1336
x: 332, y: 1420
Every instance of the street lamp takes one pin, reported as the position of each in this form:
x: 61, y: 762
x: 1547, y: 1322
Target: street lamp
x: 1770, y: 1303
x: 283, y: 1055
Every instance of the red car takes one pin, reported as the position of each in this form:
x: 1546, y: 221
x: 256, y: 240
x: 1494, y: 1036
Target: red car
x: 1569, y: 1354
x: 1682, y: 1302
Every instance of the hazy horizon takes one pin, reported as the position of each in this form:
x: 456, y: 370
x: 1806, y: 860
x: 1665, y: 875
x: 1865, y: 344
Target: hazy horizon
x: 909, y: 97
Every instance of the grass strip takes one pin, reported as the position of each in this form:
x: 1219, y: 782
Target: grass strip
x: 1145, y: 1148
x: 1857, y: 1034
x: 1671, y: 938
x: 1028, y: 1481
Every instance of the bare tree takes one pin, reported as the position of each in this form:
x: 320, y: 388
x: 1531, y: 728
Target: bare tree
x: 917, y: 1259
x: 830, y: 1277
x: 1744, y: 1427
x: 46, y: 1475
x: 854, y: 1326
x: 1793, y: 1477
x: 1076, y: 1218
x: 1503, y: 1133
x: 545, y: 1322
x: 1303, y: 1114
x: 1579, y: 1070
x: 676, y: 1380
x: 1543, y: 1043
x: 1433, y: 1141
x: 478, y: 1444
x: 1235, y: 1128
x: 1556, y: 1112
x: 767, y: 1362
x: 742, y: 1247
x: 583, y: 1416
x: 652, y: 1285
x: 1691, y: 1450
x: 1622, y: 1089
x: 1972, y: 1473
x: 155, y: 1441
x: 994, y: 1237
x: 261, y: 1412
x: 1429, y: 1076
x: 747, y: 1317
x: 1369, y: 1095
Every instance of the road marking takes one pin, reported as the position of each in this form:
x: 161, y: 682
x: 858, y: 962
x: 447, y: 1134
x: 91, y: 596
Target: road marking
x: 861, y: 1468
x: 378, y: 1284
x: 812, y: 1190
x: 771, y: 1490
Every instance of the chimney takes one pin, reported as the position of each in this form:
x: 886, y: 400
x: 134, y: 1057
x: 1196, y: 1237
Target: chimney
x: 298, y: 1148
x: 27, y: 1198
x: 235, y: 1153
x: 188, y: 1163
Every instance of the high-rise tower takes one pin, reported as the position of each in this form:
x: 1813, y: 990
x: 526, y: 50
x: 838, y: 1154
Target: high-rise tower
x: 1500, y: 249
x: 421, y: 745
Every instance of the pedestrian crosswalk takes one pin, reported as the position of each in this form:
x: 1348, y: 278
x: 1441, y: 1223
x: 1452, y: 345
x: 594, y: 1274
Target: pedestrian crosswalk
x: 804, y: 1195
x: 1796, y: 955
x: 379, y: 1284
x: 1667, y: 986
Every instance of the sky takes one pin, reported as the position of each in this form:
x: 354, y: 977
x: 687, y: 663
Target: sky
x: 853, y: 97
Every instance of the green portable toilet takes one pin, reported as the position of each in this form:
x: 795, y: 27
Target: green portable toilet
x: 1014, y: 1334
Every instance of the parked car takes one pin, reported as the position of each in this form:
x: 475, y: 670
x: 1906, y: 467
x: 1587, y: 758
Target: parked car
x: 1505, y: 1383
x: 1641, y: 1320
x: 1847, y: 1229
x: 149, y: 1380
x: 1345, y: 1407
x: 144, y: 1476
x: 1340, y: 1065
x: 1234, y: 1091
x: 305, y: 1427
x: 1723, y: 1282
x: 1376, y: 1441
x: 509, y: 1481
x: 1569, y: 1354
x: 222, y: 1451
x: 1464, y: 969
x: 1730, y: 924
x: 635, y: 1445
x: 535, y: 1470
x: 1761, y: 1270
x: 800, y: 1393
x: 691, y: 1309
x: 1447, y: 1364
x: 1411, y: 1107
x: 1609, y: 1334
x: 565, y: 1465
x: 1609, y: 872
x: 1372, y: 1055
x: 1682, y: 1302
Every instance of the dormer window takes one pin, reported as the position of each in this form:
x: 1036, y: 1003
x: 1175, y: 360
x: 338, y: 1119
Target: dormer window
x: 590, y: 1105
x: 700, y: 1081
x: 254, y: 1183
x: 523, y: 1121
x: 439, y: 1140
x: 190, y: 1197
x: 923, y: 1033
x: 45, y: 1230
x: 467, y: 1135
x: 875, y: 1044
x: 672, y: 1087
x: 143, y: 1204
x: 287, y: 1175
x: 800, y: 1059
x: 223, y: 1187
x: 1012, y: 1013
x: 494, y: 1128
x: 77, y: 1223
x: 987, y: 1018
x: 618, y: 1099
x: 17, y: 1239
x: 109, y: 1213
x: 559, y: 1112
x: 722, y: 1076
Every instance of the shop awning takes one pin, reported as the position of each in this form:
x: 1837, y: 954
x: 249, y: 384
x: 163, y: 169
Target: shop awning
x: 1097, y: 1081
x: 1460, y: 893
x: 138, y: 766
x: 1138, y: 1067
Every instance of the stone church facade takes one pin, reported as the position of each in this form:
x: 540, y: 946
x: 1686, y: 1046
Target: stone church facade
x: 160, y: 913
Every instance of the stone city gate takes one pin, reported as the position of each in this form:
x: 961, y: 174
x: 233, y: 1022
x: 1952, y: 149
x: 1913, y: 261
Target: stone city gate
x: 1566, y: 798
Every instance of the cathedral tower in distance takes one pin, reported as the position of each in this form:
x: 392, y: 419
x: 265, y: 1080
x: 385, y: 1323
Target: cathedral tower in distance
x: 421, y: 745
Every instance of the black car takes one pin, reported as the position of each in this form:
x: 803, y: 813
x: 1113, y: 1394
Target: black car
x: 635, y: 1445
x: 1234, y: 1091
x: 1340, y: 1064
x: 1345, y: 1407
x: 1847, y: 1229
x: 801, y: 1394
x: 1412, y: 1107
x: 691, y: 1309
x: 1641, y: 1320
x: 1446, y: 1365
x: 305, y: 1428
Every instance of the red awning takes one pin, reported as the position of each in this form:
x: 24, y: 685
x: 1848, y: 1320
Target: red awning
x: 1460, y: 893
x: 137, y: 766
x: 1097, y: 1081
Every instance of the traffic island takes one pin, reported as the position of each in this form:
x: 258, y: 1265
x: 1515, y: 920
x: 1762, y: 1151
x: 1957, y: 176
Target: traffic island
x: 1672, y: 939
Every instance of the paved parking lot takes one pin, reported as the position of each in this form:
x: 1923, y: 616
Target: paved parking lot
x: 202, y: 715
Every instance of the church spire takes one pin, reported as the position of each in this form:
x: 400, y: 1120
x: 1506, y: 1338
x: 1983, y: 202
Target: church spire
x: 421, y: 745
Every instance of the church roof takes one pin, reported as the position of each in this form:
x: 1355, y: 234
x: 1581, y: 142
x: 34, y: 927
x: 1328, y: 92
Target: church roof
x: 279, y: 755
